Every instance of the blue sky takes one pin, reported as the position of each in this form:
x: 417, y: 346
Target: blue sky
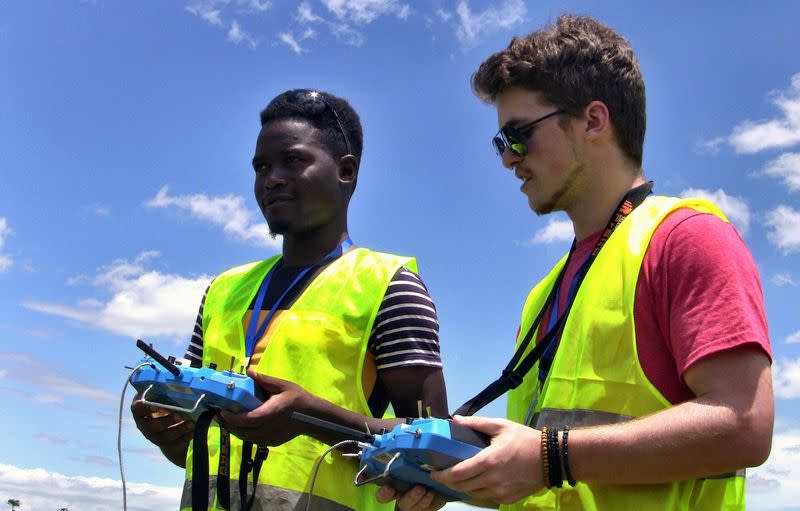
x: 126, y: 130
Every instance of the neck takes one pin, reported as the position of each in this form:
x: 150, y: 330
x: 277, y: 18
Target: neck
x: 303, y: 249
x: 592, y: 211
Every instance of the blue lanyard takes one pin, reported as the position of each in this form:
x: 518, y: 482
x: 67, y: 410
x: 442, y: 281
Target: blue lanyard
x: 549, y: 353
x: 255, y: 330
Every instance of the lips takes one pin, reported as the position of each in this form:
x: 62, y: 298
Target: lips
x: 274, y: 200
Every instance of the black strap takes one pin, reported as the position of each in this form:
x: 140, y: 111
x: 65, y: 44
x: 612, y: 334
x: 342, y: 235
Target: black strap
x: 515, y: 370
x: 223, y: 473
x: 248, y: 465
x: 200, y: 461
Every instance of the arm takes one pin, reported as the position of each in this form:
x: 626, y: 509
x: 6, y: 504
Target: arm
x: 726, y: 428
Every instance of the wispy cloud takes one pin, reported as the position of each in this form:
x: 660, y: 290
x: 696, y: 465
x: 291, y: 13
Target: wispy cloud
x: 212, y: 12
x: 735, y: 208
x: 5, y: 231
x: 786, y: 378
x: 366, y: 11
x: 785, y: 224
x: 471, y: 26
x: 794, y: 338
x: 784, y: 279
x: 237, y: 36
x: 556, y: 230
x: 306, y: 15
x: 782, y: 131
x: 50, y: 439
x: 42, y: 489
x: 51, y: 384
x: 289, y: 39
x: 142, y: 302
x: 227, y: 211
x: 787, y: 168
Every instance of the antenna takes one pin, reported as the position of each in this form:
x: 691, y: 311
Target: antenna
x: 331, y: 427
x: 149, y: 351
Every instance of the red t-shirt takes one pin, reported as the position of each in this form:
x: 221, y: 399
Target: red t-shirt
x: 698, y: 294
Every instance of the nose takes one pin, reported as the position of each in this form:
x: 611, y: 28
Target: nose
x: 510, y: 158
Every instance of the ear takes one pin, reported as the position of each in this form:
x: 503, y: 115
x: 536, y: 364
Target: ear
x: 598, y: 122
x: 348, y: 169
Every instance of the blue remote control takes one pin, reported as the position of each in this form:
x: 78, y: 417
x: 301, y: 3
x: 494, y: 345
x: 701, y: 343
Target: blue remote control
x: 405, y: 456
x: 191, y: 390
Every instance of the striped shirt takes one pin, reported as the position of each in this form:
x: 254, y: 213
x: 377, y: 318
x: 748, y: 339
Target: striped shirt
x: 405, y: 332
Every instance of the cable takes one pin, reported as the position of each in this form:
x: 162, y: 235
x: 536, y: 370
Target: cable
x: 319, y: 462
x: 119, y: 434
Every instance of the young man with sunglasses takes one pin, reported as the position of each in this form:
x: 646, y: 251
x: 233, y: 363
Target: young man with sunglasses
x: 649, y: 386
x: 327, y: 329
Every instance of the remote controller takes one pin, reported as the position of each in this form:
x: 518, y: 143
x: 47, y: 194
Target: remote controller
x: 405, y: 456
x: 191, y: 390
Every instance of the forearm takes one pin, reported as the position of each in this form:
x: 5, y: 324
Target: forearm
x: 695, y: 439
x: 325, y: 410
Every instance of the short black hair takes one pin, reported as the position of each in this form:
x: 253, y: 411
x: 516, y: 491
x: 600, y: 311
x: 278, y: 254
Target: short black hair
x: 321, y: 109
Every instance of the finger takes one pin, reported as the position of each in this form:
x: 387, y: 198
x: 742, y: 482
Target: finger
x: 485, y: 425
x: 270, y: 384
x: 410, y: 499
x: 458, y: 474
x: 386, y: 494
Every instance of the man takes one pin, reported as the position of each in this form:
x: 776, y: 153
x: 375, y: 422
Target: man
x: 654, y: 391
x: 338, y: 332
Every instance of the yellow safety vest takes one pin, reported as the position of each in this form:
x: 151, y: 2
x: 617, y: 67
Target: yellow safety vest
x: 320, y: 343
x: 596, y: 377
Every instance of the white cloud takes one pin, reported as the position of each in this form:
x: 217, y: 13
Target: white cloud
x: 774, y: 485
x: 227, y: 211
x: 288, y: 39
x: 784, y: 131
x: 784, y: 279
x: 142, y: 303
x: 41, y: 489
x: 444, y: 15
x: 786, y: 378
x: 258, y: 5
x: 51, y: 383
x: 343, y: 32
x: 366, y: 11
x: 306, y: 15
x: 236, y: 35
x: 794, y: 338
x: 5, y: 230
x: 207, y: 10
x: 785, y: 222
x: 97, y: 210
x: 556, y: 230
x: 471, y: 25
x: 787, y: 168
x: 735, y: 208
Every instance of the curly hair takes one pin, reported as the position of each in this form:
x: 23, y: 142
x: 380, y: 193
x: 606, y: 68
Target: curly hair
x: 572, y: 63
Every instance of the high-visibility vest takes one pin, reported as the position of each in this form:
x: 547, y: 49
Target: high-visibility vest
x: 320, y: 343
x: 596, y: 377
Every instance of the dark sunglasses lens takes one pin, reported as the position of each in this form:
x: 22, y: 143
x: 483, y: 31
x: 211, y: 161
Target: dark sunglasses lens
x: 499, y: 145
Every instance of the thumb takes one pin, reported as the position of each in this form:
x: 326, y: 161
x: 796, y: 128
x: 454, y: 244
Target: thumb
x: 270, y: 384
x: 484, y: 425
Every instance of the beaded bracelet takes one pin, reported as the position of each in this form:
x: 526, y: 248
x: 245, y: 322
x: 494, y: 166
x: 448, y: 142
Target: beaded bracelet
x: 565, y: 457
x: 556, y: 479
x: 545, y: 459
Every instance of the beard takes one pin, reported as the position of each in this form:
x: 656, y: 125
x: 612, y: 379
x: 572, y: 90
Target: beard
x: 564, y: 195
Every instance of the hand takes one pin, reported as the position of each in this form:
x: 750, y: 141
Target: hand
x: 417, y: 498
x: 503, y: 473
x: 270, y: 423
x: 165, y: 429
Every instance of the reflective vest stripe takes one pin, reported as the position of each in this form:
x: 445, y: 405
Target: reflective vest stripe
x: 267, y: 498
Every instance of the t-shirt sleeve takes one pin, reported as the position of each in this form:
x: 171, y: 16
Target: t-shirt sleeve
x: 705, y: 288
x: 406, y: 328
x: 194, y: 352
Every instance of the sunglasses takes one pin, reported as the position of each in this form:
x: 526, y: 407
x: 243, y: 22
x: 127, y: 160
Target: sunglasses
x: 516, y: 139
x: 318, y: 104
